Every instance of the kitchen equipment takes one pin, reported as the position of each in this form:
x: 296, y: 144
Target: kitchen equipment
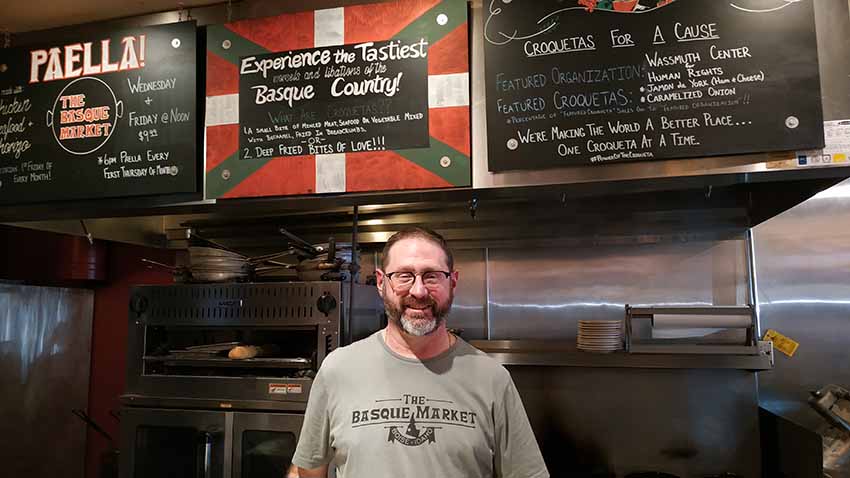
x: 210, y: 264
x: 827, y: 402
x: 303, y: 246
x: 180, y: 337
x: 335, y: 263
x: 191, y: 234
x: 180, y: 274
x: 207, y: 443
x: 833, y: 404
x: 715, y: 330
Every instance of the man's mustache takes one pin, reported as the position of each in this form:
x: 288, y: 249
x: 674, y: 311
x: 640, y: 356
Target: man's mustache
x: 419, y: 303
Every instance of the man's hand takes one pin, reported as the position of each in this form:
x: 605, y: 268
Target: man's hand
x: 296, y: 472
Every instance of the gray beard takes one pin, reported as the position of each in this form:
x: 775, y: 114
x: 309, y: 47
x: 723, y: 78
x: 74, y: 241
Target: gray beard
x: 418, y: 328
x: 427, y: 328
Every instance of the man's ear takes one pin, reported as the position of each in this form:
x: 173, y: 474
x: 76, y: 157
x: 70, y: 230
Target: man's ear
x: 380, y: 277
x: 454, y: 278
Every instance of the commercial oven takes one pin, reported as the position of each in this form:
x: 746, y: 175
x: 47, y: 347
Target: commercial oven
x: 180, y: 338
x: 192, y: 411
x: 164, y: 443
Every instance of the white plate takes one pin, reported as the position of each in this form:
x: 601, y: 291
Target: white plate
x: 587, y: 347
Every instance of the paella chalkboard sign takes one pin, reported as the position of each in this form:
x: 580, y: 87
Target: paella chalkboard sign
x: 100, y: 115
x: 603, y: 81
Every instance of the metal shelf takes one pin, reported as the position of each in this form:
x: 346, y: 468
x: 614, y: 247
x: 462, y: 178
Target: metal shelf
x: 565, y: 354
x: 712, y: 310
x: 293, y: 404
x: 182, y: 361
x: 761, y: 187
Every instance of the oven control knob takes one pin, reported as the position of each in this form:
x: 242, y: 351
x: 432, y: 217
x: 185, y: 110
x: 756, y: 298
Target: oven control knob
x: 326, y: 303
x: 139, y: 304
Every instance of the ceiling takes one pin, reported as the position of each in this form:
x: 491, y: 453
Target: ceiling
x: 26, y: 15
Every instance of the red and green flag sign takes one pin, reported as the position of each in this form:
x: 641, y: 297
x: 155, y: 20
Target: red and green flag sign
x: 287, y: 63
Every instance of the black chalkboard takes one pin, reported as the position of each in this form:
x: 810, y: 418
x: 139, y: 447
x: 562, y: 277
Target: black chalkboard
x: 574, y: 82
x: 342, y: 99
x: 99, y: 115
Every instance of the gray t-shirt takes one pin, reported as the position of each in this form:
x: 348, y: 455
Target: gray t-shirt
x: 381, y: 415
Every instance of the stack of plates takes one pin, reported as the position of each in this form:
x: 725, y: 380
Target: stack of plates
x: 600, y: 335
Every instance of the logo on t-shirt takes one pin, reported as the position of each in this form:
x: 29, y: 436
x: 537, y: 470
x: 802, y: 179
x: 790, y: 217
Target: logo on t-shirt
x: 413, y: 420
x: 412, y: 436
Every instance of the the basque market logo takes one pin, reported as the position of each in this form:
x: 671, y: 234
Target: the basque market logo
x: 413, y: 420
x: 412, y: 436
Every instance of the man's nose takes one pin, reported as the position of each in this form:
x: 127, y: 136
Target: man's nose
x: 418, y: 288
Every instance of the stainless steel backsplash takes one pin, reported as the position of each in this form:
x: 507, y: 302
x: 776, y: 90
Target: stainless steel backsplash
x: 803, y: 271
x: 542, y: 292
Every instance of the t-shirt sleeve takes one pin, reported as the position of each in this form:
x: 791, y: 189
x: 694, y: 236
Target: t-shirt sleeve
x: 314, y: 450
x: 517, y: 453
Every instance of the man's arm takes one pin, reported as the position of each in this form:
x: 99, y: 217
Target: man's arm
x: 314, y: 450
x: 296, y: 472
x: 517, y: 452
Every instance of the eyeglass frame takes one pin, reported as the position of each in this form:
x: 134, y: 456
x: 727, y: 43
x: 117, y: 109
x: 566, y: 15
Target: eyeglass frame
x: 446, y: 274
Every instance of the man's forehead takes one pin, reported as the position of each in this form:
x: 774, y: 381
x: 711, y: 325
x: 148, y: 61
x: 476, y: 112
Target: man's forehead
x: 416, y: 248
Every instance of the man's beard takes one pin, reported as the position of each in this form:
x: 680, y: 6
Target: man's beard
x: 418, y: 327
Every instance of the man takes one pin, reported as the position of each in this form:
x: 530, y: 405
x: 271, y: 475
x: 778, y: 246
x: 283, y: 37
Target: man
x: 413, y: 400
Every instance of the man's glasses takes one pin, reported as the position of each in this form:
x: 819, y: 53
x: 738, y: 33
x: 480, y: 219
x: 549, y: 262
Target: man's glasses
x: 430, y: 279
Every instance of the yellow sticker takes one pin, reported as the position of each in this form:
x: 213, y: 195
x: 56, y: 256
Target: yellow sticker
x: 839, y: 158
x: 781, y: 342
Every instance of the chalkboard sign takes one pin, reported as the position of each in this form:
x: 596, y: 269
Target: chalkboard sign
x: 371, y: 96
x: 367, y: 97
x: 604, y: 81
x: 99, y: 115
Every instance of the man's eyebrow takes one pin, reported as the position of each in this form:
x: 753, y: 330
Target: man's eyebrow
x: 413, y: 269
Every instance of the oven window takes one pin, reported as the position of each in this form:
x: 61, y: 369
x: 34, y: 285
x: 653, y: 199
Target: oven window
x: 205, y: 351
x: 165, y: 452
x: 266, y: 453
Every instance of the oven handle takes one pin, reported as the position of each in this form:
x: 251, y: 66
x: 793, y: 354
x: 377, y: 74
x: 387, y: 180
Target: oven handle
x: 206, y: 460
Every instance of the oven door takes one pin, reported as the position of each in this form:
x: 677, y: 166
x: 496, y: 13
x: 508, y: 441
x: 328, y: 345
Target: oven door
x: 172, y: 443
x: 264, y: 443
